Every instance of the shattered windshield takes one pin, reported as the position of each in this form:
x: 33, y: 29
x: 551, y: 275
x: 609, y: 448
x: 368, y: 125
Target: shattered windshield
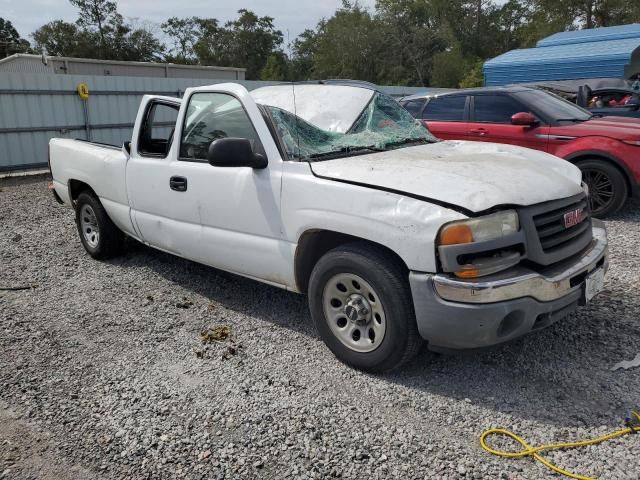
x: 381, y: 124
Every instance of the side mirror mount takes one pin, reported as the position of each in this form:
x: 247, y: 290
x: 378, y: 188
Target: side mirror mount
x: 525, y: 119
x: 126, y: 149
x: 234, y: 152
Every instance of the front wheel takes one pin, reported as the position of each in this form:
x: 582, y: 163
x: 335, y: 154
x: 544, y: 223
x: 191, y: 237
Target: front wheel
x: 362, y: 308
x: 608, y: 189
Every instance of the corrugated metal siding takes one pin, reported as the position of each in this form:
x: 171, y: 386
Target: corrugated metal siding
x: 21, y: 109
x: 76, y: 66
x: 21, y: 64
x: 591, y: 35
x: 562, y: 62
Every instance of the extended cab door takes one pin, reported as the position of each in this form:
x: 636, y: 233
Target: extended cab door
x: 491, y: 122
x: 446, y: 117
x: 226, y: 217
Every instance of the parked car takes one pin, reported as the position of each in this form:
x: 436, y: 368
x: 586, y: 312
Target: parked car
x: 337, y: 192
x: 607, y: 150
x: 601, y: 96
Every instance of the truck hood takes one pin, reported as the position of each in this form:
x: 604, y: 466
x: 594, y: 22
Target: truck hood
x: 472, y: 175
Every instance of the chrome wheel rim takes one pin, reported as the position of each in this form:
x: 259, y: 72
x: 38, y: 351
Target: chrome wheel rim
x: 354, y: 312
x: 600, y: 189
x: 89, y: 226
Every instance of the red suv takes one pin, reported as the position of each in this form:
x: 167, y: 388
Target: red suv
x: 607, y: 149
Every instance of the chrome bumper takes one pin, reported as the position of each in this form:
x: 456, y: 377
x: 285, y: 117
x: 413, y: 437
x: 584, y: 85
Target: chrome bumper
x: 547, y: 285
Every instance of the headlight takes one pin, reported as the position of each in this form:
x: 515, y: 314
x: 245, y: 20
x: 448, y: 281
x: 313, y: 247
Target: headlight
x: 481, y: 229
x: 465, y: 260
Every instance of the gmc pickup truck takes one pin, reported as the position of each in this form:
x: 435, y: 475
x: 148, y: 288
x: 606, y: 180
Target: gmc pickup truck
x: 333, y: 189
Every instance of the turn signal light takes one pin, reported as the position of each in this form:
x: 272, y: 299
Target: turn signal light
x: 456, y: 234
x: 471, y: 273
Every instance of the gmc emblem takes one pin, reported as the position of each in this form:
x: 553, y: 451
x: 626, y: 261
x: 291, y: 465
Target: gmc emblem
x: 573, y: 218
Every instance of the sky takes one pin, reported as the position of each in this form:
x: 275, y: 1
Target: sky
x: 293, y: 16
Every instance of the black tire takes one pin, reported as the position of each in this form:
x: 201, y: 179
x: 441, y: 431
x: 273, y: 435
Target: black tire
x: 401, y: 340
x: 110, y: 239
x: 608, y: 188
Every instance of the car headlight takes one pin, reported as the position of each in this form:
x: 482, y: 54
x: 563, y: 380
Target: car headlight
x: 456, y: 241
x: 481, y: 229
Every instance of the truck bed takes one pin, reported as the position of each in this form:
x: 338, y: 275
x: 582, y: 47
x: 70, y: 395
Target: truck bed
x: 100, y: 166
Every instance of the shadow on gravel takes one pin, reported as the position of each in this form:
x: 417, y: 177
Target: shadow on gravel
x: 234, y: 292
x: 555, y: 376
x: 628, y: 213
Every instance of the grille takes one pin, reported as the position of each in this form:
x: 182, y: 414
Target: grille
x: 551, y: 230
x: 548, y: 240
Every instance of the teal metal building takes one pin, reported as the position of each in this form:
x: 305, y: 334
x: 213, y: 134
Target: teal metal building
x: 591, y: 53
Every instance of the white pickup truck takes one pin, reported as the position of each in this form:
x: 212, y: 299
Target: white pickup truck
x: 335, y: 191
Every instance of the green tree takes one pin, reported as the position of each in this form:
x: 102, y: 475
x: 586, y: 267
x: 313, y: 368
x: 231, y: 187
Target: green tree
x: 101, y: 15
x: 474, y: 76
x: 449, y: 68
x: 415, y: 32
x: 347, y: 45
x: 247, y: 41
x: 255, y: 39
x: 183, y: 33
x: 214, y: 45
x: 10, y: 40
x: 303, y: 50
x: 64, y: 39
x: 134, y: 43
x: 275, y: 69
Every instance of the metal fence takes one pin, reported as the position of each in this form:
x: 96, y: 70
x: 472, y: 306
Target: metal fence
x: 37, y: 107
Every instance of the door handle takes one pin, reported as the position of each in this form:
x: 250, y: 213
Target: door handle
x: 179, y: 184
x: 478, y: 131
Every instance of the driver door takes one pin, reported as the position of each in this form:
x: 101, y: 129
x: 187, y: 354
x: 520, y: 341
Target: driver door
x: 226, y: 217
x: 491, y: 122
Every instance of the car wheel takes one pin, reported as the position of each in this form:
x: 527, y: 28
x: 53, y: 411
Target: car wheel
x: 608, y: 189
x: 362, y: 307
x: 98, y: 234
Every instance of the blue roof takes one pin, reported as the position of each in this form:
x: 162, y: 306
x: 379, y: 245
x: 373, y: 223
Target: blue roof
x: 607, y: 58
x: 591, y: 35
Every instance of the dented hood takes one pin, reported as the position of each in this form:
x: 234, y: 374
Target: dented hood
x: 472, y: 175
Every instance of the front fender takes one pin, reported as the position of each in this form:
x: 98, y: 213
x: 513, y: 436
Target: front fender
x: 405, y: 225
x: 625, y: 157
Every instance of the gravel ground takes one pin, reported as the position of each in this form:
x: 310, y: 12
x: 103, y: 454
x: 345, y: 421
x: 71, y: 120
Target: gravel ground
x: 103, y: 374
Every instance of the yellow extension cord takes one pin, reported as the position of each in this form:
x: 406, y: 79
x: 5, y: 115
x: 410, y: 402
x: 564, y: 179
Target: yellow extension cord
x: 533, y: 451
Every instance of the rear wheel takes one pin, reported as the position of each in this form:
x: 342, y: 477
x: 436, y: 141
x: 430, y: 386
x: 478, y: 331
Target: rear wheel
x: 608, y: 189
x: 98, y: 234
x: 362, y: 307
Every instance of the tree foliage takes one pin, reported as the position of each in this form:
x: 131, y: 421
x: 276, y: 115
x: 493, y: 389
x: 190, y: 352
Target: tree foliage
x: 411, y: 42
x: 10, y: 40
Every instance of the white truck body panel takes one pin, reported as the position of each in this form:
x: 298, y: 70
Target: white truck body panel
x: 471, y: 175
x: 249, y: 221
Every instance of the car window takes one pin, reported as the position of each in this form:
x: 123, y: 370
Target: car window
x: 414, y: 107
x: 496, y: 108
x: 553, y: 106
x: 156, y: 133
x: 448, y: 108
x: 211, y: 116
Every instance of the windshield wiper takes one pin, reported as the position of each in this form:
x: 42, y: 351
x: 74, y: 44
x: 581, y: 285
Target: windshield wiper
x: 358, y: 150
x: 406, y: 141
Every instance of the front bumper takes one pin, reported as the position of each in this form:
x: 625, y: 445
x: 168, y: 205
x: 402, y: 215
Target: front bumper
x: 458, y: 314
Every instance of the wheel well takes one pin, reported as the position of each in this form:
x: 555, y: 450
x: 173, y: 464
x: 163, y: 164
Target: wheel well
x: 609, y: 161
x: 76, y: 187
x: 313, y: 244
